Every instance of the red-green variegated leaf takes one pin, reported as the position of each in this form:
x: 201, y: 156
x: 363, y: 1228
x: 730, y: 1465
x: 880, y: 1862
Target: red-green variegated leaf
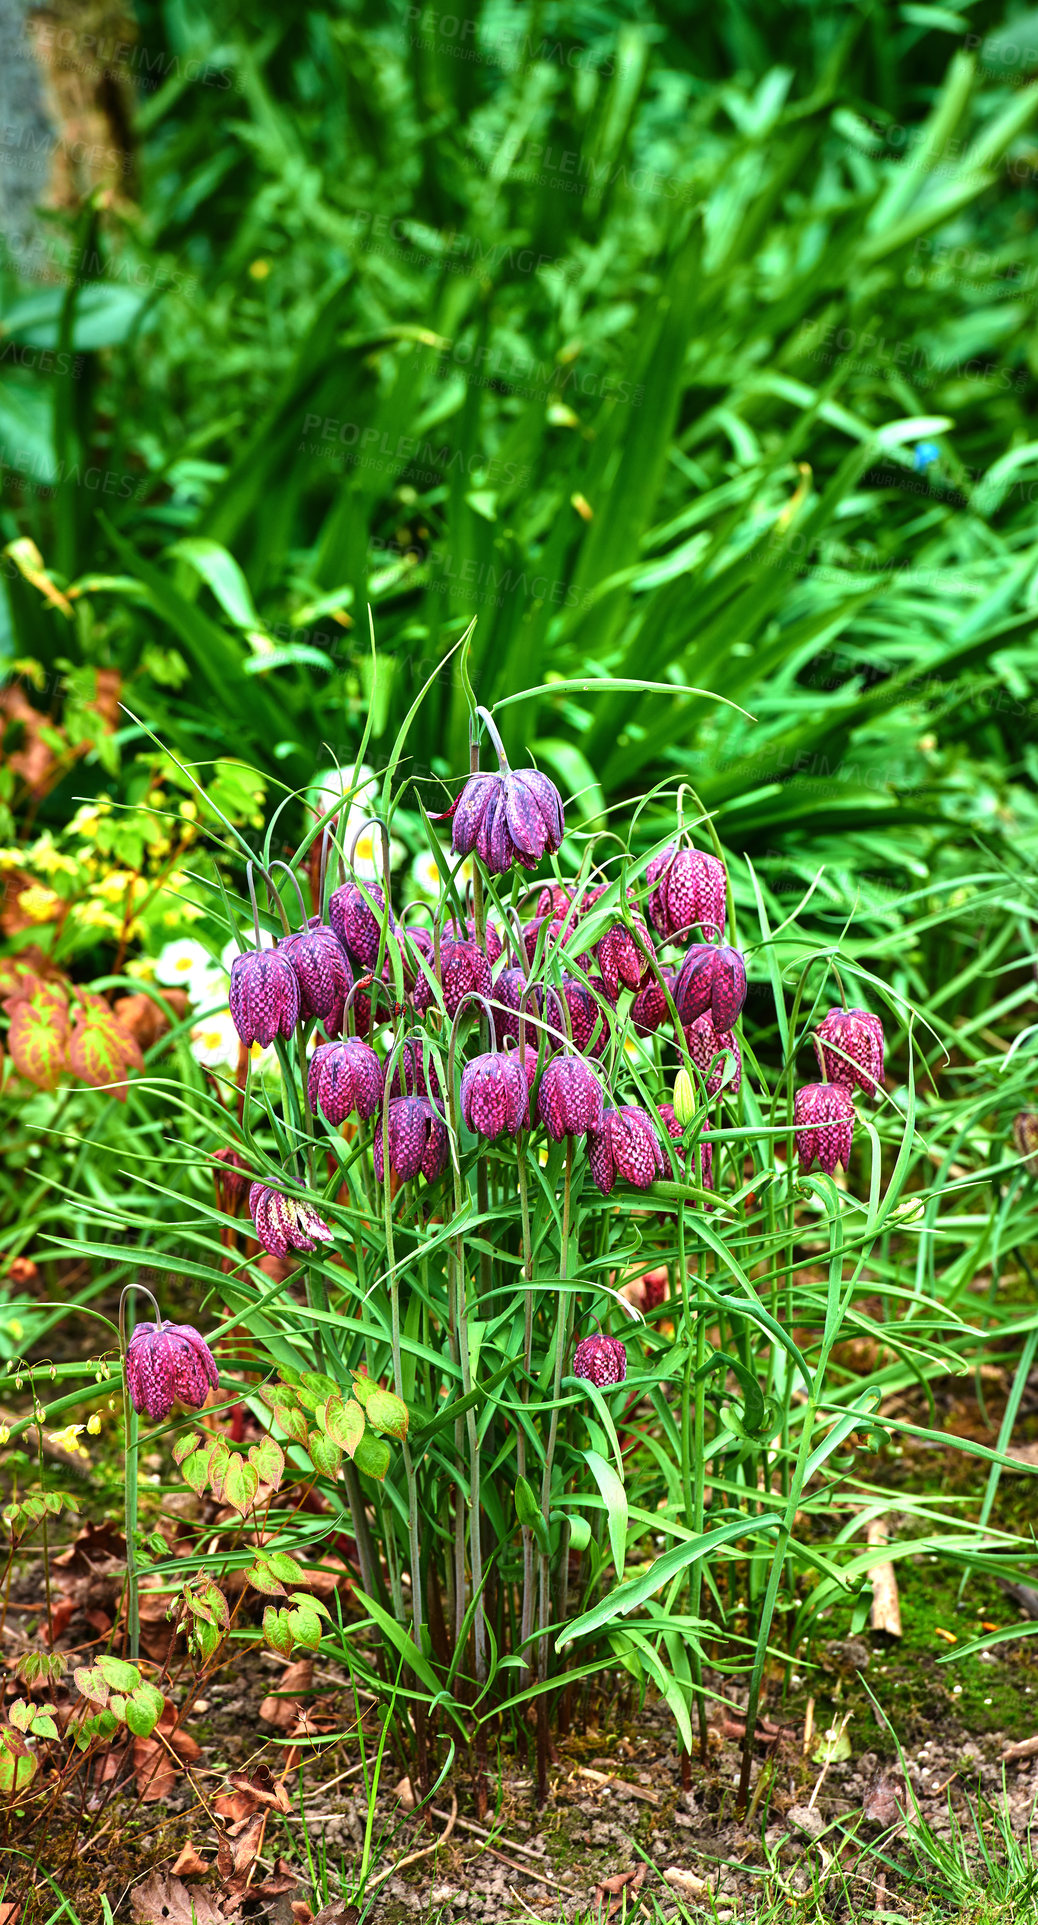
x: 38, y: 1040
x: 101, y: 1052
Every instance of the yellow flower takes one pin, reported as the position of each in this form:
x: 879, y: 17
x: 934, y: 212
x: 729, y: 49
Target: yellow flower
x: 86, y: 819
x: 4, y: 1433
x: 10, y: 858
x: 45, y: 856
x: 38, y: 903
x: 94, y: 1424
x: 114, y: 886
x: 68, y: 1439
x: 94, y: 915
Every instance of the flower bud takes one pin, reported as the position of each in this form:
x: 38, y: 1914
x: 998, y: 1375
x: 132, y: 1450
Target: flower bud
x: 686, y: 1101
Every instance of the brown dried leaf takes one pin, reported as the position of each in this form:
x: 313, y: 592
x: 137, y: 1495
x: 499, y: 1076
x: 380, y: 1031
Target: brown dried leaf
x: 618, y: 1888
x: 154, y: 1769
x: 161, y: 1900
x: 885, y: 1799
x: 284, y: 1710
x: 238, y: 1852
x: 189, y: 1864
x: 261, y: 1787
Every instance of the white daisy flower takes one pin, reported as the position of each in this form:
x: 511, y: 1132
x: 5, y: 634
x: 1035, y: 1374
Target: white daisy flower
x: 186, y: 964
x: 429, y: 873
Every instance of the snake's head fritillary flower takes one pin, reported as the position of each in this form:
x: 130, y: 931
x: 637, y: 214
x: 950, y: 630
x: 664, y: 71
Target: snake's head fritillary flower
x: 344, y: 1077
x: 557, y: 929
x: 421, y: 940
x: 711, y: 980
x: 849, y: 1047
x: 167, y: 1363
x: 283, y: 1223
x: 492, y: 945
x: 569, y: 1100
x: 557, y: 903
x: 417, y: 1140
x: 514, y: 816
x: 705, y: 1046
x: 588, y: 1023
x: 495, y: 1095
x: 624, y: 954
x: 688, y: 888
x: 264, y: 996
x: 414, y: 1073
x: 823, y: 1114
x: 1025, y: 1138
x: 322, y: 970
x: 464, y: 969
x: 600, y: 1360
x: 649, y: 1009
x: 627, y: 1145
x: 355, y: 923
x: 513, y: 993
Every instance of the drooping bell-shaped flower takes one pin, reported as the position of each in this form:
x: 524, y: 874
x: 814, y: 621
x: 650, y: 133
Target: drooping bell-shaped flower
x: 421, y: 940
x: 264, y: 996
x: 514, y: 816
x: 558, y: 903
x: 587, y: 1020
x: 628, y: 1146
x: 624, y: 954
x: 557, y: 930
x: 322, y: 971
x: 649, y: 1009
x: 711, y: 980
x: 688, y: 889
x: 415, y: 1074
x: 495, y: 1095
x: 344, y: 1077
x: 849, y: 1047
x: 569, y: 1100
x: 600, y: 1360
x: 493, y: 947
x: 705, y: 1045
x: 283, y: 1223
x: 355, y: 923
x: 464, y: 970
x: 417, y: 1140
x: 168, y: 1363
x: 513, y: 992
x: 823, y: 1114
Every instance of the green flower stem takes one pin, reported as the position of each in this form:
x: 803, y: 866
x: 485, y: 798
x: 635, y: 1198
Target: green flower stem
x: 561, y: 1340
x: 398, y: 1386
x: 529, y: 1566
x: 131, y: 1473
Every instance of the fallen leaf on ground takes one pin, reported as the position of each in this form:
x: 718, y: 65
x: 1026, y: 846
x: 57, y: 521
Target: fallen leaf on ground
x: 154, y: 1770
x: 404, y: 1794
x: 189, y: 1864
x: 618, y: 1888
x: 160, y: 1900
x: 281, y: 1708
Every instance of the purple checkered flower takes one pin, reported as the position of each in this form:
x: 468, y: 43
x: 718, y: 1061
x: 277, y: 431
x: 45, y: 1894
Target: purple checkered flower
x: 322, y: 971
x: 357, y: 926
x: 557, y: 931
x: 464, y: 969
x: 417, y: 1140
x: 624, y: 954
x: 855, y: 1035
x: 569, y: 1100
x: 705, y: 1044
x: 168, y: 1363
x: 1025, y: 1139
x: 514, y: 816
x: 344, y: 1077
x: 711, y: 979
x: 688, y: 888
x: 627, y: 1145
x: 492, y: 945
x: 495, y: 1095
x: 283, y: 1223
x: 824, y: 1117
x: 600, y: 1360
x: 414, y: 1073
x: 649, y: 1009
x: 264, y: 996
x: 513, y: 992
x: 588, y: 1021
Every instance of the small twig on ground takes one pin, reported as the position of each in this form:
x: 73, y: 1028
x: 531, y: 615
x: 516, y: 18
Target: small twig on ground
x: 412, y: 1857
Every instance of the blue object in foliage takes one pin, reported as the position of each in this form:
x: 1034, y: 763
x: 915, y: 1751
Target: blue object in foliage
x: 926, y: 453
